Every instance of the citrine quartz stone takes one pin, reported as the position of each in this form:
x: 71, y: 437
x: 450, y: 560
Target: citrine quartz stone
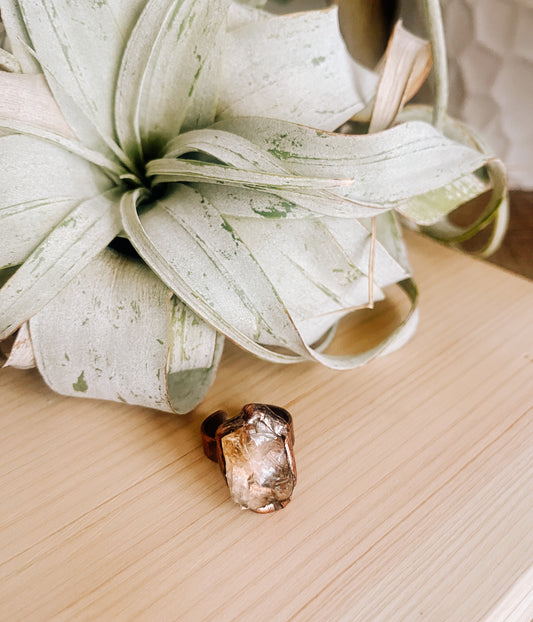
x: 257, y: 457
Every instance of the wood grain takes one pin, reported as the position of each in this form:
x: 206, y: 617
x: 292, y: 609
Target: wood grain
x: 415, y: 493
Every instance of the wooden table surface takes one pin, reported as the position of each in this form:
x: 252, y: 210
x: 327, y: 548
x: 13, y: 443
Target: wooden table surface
x: 414, y: 499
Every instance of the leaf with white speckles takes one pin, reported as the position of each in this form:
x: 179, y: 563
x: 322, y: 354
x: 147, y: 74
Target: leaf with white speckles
x: 242, y: 286
x: 303, y: 197
x: 79, y: 44
x: 29, y: 211
x: 19, y: 38
x: 114, y: 302
x: 388, y: 167
x: 294, y: 67
x: 406, y: 65
x: 197, y: 254
x: 436, y: 207
x: 429, y: 208
x: 27, y: 98
x: 70, y: 246
x: 168, y: 75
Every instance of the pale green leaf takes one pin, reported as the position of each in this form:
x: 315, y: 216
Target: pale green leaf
x: 321, y: 274
x: 428, y: 208
x: 18, y: 35
x: 168, y: 74
x: 248, y: 203
x: 313, y: 276
x: 27, y: 98
x: 25, y: 225
x: 180, y: 170
x: 192, y: 359
x: 387, y: 167
x: 203, y: 92
x: 190, y: 256
x: 227, y: 147
x: 395, y: 340
x: 496, y: 211
x: 211, y: 263
x: 8, y: 62
x: 447, y: 231
x: 79, y: 45
x: 240, y: 153
x: 83, y: 339
x: 113, y: 169
x: 390, y: 235
x: 294, y: 67
x: 31, y: 207
x: 390, y: 257
x: 70, y: 246
x: 172, y: 276
x: 241, y: 14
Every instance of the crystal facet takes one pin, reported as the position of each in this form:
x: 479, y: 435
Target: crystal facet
x: 258, y: 458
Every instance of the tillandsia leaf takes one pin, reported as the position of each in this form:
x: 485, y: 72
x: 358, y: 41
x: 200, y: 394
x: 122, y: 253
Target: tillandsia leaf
x: 28, y: 107
x: 8, y: 62
x: 311, y: 273
x: 239, y: 152
x: 168, y: 76
x: 226, y: 147
x: 389, y: 166
x: 390, y: 256
x: 247, y: 203
x: 269, y: 71
x: 217, y: 298
x: 253, y: 3
x: 321, y: 269
x: 240, y: 14
x: 435, y: 27
x: 82, y: 339
x: 396, y: 339
x: 193, y: 359
x: 30, y: 210
x: 180, y: 170
x: 326, y: 290
x: 198, y: 255
x: 21, y: 355
x: 71, y: 245
x: 429, y: 208
x: 27, y: 98
x: 79, y: 45
x: 406, y: 65
x: 497, y: 209
x: 19, y: 38
x: 111, y: 168
x: 446, y: 231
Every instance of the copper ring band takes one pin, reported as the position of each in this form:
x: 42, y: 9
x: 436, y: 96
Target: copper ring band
x: 255, y: 453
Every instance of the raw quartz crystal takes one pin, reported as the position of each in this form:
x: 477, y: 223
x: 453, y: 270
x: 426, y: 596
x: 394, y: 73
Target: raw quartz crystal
x: 258, y: 459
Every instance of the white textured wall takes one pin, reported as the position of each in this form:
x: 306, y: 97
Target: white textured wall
x: 490, y: 55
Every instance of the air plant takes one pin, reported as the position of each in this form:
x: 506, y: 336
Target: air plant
x: 201, y: 133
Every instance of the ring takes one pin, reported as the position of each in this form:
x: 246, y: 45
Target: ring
x: 255, y: 453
